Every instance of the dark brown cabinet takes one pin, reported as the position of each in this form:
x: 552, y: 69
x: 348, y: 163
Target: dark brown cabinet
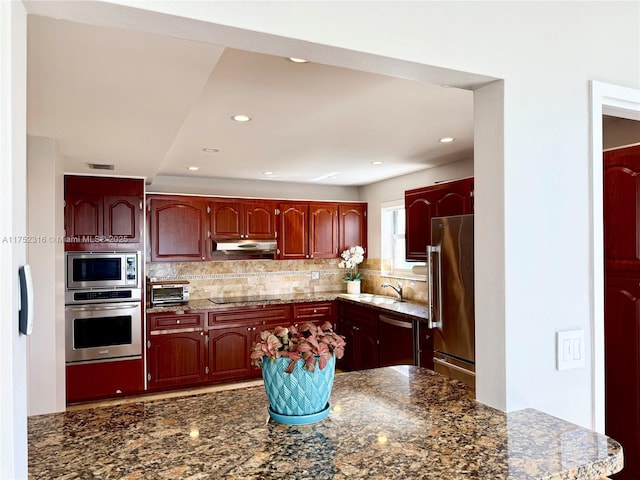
x: 293, y: 235
x: 621, y: 198
x: 93, y: 381
x: 239, y: 219
x: 178, y: 229
x: 359, y: 327
x: 323, y: 230
x: 103, y: 213
x: 229, y: 351
x: 422, y: 204
x: 352, y: 225
x: 176, y: 350
x: 316, y: 312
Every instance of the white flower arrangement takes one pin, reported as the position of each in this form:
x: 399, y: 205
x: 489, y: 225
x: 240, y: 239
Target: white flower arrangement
x: 351, y: 258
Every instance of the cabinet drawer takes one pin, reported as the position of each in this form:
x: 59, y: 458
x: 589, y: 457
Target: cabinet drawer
x: 159, y: 321
x: 358, y: 314
x: 279, y: 313
x: 304, y: 312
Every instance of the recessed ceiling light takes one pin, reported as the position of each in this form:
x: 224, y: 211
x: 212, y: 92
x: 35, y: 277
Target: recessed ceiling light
x: 446, y: 140
x: 193, y: 169
x: 267, y: 173
x: 377, y: 162
x: 241, y: 118
x: 333, y: 177
x: 297, y: 60
x: 210, y: 150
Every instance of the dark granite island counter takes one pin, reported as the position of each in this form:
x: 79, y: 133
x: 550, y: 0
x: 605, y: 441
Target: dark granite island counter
x: 388, y: 423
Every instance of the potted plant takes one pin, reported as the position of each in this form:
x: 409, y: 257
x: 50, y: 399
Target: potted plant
x: 298, y: 367
x: 351, y: 258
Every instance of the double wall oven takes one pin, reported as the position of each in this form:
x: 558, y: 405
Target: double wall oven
x: 103, y: 308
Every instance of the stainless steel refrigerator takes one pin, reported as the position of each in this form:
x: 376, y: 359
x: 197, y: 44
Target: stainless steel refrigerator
x: 451, y: 296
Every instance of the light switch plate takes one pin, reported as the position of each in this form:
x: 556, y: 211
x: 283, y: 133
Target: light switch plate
x: 315, y: 275
x: 570, y: 349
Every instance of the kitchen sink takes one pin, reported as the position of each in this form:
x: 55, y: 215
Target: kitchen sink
x: 377, y: 299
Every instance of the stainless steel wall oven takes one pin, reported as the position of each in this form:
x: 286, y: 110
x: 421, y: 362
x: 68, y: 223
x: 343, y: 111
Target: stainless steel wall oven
x: 103, y: 312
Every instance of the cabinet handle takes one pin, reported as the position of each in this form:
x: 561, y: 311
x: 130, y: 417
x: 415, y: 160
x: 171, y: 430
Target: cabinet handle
x: 178, y: 322
x: 248, y: 329
x: 315, y: 311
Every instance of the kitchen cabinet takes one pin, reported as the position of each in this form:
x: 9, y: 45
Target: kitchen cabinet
x: 308, y: 230
x: 396, y: 340
x: 96, y: 380
x: 103, y: 213
x: 359, y: 327
x: 232, y: 332
x: 240, y: 219
x: 352, y: 226
x: 176, y: 350
x: 316, y: 313
x: 178, y: 229
x: 422, y: 204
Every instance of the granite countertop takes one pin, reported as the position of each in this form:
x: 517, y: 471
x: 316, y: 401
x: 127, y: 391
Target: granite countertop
x: 389, y: 423
x: 415, y: 310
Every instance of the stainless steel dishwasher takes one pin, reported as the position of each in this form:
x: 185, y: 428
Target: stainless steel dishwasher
x: 397, y: 341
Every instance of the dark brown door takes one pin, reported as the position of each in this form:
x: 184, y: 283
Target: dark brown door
x: 622, y: 303
x: 178, y: 230
x: 227, y: 220
x: 323, y: 230
x: 84, y: 215
x: 260, y: 220
x: 352, y: 225
x: 229, y: 352
x: 176, y: 359
x: 122, y: 216
x: 293, y: 242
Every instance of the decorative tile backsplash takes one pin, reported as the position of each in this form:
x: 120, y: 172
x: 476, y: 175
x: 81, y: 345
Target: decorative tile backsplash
x: 273, y: 277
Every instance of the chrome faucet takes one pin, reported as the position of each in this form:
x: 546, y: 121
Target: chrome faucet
x: 397, y: 289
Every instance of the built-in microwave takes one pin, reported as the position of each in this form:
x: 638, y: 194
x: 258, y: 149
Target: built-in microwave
x: 103, y: 270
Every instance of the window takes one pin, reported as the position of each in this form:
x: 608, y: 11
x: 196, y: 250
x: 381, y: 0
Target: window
x: 393, y: 263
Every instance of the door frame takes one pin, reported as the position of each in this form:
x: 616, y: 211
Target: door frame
x: 623, y: 102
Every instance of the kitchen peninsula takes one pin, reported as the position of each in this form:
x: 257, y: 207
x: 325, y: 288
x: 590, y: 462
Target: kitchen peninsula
x: 387, y: 423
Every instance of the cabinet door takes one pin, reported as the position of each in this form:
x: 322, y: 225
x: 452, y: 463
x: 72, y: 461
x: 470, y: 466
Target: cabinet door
x: 176, y: 359
x: 323, y: 230
x: 178, y: 230
x: 622, y: 359
x: 260, y: 220
x: 352, y: 226
x: 422, y: 204
x: 622, y: 209
x: 366, y: 339
x: 293, y: 241
x: 122, y: 217
x: 227, y: 220
x: 83, y: 216
x: 91, y: 381
x: 358, y: 324
x: 419, y: 209
x: 229, y: 352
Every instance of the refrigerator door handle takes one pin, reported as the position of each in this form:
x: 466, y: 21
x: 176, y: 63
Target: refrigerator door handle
x: 433, y: 307
x: 452, y: 366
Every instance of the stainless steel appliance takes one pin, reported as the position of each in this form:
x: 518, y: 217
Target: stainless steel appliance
x: 451, y: 296
x: 109, y: 330
x: 103, y: 312
x: 102, y: 270
x: 174, y: 292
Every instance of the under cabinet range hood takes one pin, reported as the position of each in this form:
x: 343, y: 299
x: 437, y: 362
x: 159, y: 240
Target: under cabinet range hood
x: 234, y: 249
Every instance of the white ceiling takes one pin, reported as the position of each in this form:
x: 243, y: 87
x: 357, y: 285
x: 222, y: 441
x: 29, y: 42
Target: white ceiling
x: 149, y: 104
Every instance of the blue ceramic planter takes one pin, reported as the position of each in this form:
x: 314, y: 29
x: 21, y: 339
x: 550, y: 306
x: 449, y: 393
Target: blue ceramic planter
x: 301, y: 393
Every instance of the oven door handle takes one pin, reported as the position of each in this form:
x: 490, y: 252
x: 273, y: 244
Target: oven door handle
x: 93, y: 308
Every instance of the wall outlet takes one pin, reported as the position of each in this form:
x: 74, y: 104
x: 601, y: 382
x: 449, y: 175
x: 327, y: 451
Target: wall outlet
x: 570, y: 349
x: 315, y: 275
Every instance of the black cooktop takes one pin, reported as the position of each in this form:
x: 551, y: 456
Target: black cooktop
x: 245, y: 299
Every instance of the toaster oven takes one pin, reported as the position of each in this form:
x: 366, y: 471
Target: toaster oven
x: 173, y: 292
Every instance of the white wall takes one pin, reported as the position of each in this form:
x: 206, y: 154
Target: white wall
x: 45, y: 348
x: 540, y: 150
x: 13, y: 371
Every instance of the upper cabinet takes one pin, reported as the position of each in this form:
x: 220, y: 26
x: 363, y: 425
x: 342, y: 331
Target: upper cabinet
x: 103, y: 213
x: 178, y: 229
x: 422, y: 204
x: 182, y: 228
x: 240, y: 219
x: 352, y: 225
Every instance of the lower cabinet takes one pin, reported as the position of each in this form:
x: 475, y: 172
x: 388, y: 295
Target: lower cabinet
x: 176, y: 359
x: 359, y: 327
x: 92, y: 381
x: 189, y: 349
